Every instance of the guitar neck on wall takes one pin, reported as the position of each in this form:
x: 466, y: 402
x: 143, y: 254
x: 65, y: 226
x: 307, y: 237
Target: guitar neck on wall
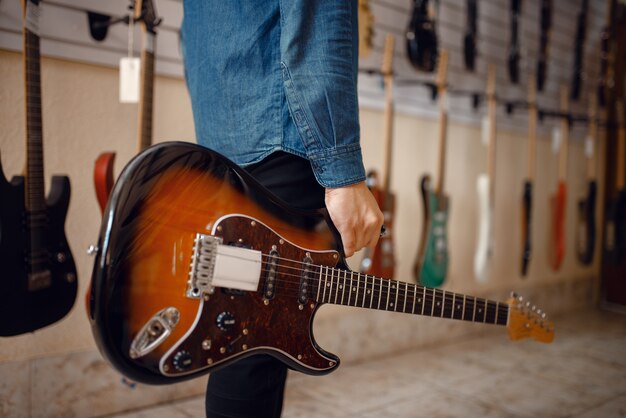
x: 431, y: 263
x: 471, y: 34
x: 514, y: 49
x: 38, y: 283
x: 558, y: 201
x: 145, y: 12
x: 527, y: 197
x: 381, y: 260
x: 545, y: 13
x: 485, y: 187
x: 247, y: 282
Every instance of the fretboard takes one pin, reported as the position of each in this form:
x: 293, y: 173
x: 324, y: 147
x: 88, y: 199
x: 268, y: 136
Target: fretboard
x: 342, y: 287
x: 34, y: 199
x: 147, y: 89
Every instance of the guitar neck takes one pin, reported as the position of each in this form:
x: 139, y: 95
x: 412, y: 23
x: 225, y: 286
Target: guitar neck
x: 593, y: 138
x: 34, y: 196
x: 621, y: 146
x: 563, y: 151
x: 532, y: 126
x: 491, y: 145
x: 443, y: 119
x: 147, y: 91
x: 343, y: 287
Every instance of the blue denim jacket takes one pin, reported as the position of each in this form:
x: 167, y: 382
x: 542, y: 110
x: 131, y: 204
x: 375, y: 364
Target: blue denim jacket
x: 276, y: 75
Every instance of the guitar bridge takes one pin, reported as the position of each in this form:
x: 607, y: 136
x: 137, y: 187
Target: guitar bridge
x: 216, y: 265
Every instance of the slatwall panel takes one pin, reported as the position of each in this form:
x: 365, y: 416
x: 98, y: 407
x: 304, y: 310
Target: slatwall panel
x: 65, y: 34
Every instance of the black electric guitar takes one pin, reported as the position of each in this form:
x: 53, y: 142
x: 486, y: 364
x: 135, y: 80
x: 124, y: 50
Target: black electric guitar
x: 421, y: 38
x: 471, y: 33
x: 586, y: 237
x: 579, y: 50
x: 615, y: 232
x: 527, y: 196
x: 38, y: 284
x: 544, y: 38
x: 514, y: 49
x: 198, y: 265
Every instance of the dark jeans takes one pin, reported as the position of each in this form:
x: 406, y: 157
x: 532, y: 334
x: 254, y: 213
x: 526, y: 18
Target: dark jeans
x: 254, y: 387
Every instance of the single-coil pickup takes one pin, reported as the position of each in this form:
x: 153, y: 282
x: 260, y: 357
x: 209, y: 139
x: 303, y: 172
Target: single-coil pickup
x: 305, y: 279
x: 271, y: 266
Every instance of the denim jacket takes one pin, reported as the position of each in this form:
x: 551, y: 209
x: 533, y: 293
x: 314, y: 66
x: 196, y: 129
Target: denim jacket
x: 274, y: 75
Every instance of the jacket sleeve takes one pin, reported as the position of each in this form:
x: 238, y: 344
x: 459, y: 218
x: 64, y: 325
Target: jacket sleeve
x: 319, y: 62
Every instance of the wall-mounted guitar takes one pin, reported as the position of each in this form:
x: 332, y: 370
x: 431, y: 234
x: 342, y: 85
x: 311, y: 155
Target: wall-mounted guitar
x: 485, y: 187
x: 615, y: 232
x: 514, y: 49
x: 366, y: 29
x: 381, y: 261
x: 421, y: 38
x: 558, y: 201
x: 145, y: 12
x: 199, y: 266
x: 586, y: 231
x: 38, y: 285
x: 579, y: 50
x: 471, y: 34
x: 527, y: 197
x: 544, y: 39
x: 431, y: 264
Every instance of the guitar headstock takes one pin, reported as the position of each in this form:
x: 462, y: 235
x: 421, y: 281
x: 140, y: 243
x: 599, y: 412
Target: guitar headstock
x: 527, y: 321
x: 145, y: 11
x: 366, y: 29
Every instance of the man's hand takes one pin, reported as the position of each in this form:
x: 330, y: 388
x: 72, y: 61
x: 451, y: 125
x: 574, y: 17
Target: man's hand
x: 356, y: 216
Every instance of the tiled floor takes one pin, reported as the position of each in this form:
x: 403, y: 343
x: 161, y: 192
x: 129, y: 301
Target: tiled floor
x: 582, y: 374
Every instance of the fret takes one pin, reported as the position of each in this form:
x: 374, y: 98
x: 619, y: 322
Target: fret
x: 350, y: 290
x: 380, y: 292
x: 395, y: 286
x: 474, y: 310
x: 432, y: 303
x: 343, y: 286
x: 366, y: 291
x: 485, y: 313
x: 337, y: 285
x: 325, y: 284
x: 372, y: 291
x: 452, y: 309
x: 406, y: 292
x: 497, y: 309
x: 358, y: 284
x: 414, y: 298
x: 388, y: 294
x: 423, y: 300
x: 464, y: 297
x: 330, y: 285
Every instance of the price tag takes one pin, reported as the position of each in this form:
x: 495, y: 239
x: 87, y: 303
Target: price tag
x: 556, y: 140
x: 589, y: 150
x: 485, y: 130
x: 129, y: 79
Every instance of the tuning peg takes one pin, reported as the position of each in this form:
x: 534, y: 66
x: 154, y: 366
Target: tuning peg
x: 533, y: 308
x: 514, y: 295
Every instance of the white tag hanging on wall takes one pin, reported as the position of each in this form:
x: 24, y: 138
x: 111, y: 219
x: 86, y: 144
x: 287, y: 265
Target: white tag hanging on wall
x: 129, y: 79
x: 484, y: 125
x: 589, y: 146
x: 556, y: 140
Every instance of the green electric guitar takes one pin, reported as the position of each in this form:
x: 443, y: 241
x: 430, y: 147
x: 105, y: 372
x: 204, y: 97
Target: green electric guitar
x: 431, y: 264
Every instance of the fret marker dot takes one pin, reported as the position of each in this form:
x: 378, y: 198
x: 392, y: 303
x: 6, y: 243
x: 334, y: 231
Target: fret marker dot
x: 391, y: 304
x: 480, y: 310
x: 327, y: 284
x: 458, y: 306
x: 419, y: 300
x: 368, y: 291
x: 354, y: 289
x: 438, y: 304
x: 340, y: 286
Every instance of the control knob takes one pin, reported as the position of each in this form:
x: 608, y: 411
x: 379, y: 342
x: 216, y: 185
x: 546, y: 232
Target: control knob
x: 182, y: 360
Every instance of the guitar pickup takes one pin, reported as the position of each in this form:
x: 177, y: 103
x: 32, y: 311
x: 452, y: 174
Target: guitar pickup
x: 216, y: 265
x: 303, y: 294
x: 269, y: 290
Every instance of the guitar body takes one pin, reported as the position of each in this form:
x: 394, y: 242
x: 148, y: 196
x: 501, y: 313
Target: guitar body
x: 103, y: 178
x: 165, y: 197
x: 381, y: 261
x: 23, y: 310
x: 421, y: 38
x: 615, y: 234
x: 527, y: 205
x: 587, y: 225
x: 482, y: 256
x: 431, y: 265
x: 556, y: 246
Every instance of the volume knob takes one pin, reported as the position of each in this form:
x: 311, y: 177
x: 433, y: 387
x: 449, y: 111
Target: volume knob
x: 225, y: 321
x: 182, y: 360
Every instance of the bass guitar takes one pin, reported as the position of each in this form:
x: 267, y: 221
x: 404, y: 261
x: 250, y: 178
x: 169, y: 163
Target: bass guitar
x: 615, y: 232
x: 145, y: 12
x: 381, y: 261
x: 586, y: 238
x: 471, y: 33
x: 527, y: 197
x: 544, y: 39
x: 486, y: 188
x: 558, y: 201
x: 198, y: 266
x: 421, y: 38
x: 38, y: 285
x: 431, y: 264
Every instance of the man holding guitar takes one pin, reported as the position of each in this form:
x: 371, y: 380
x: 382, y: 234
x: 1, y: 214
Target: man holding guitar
x: 273, y: 88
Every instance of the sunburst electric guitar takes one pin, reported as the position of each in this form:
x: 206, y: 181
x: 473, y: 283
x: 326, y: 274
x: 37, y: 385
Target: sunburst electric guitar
x: 145, y: 13
x: 485, y: 187
x: 198, y: 266
x: 431, y: 264
x: 527, y: 196
x: 381, y: 260
x: 558, y: 201
x: 38, y: 284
